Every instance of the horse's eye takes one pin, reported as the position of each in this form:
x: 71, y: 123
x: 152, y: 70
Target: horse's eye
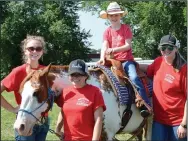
x: 35, y: 94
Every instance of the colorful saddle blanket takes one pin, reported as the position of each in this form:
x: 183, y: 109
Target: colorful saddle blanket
x: 122, y: 91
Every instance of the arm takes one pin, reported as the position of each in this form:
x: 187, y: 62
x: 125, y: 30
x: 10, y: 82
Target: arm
x: 98, y: 115
x: 125, y: 47
x: 143, y: 67
x: 59, y: 123
x: 184, y: 120
x: 182, y: 132
x: 5, y: 104
x: 59, y: 126
x: 103, y: 53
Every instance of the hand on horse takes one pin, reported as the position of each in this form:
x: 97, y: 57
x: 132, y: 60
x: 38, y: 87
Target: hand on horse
x: 101, y: 62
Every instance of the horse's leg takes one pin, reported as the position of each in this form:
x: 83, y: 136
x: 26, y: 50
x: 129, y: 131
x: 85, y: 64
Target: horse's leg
x: 139, y: 136
x: 148, y: 130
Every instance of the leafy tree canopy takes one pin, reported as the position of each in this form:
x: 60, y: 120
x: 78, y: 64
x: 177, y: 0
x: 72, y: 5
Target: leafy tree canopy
x: 56, y: 21
x: 149, y: 22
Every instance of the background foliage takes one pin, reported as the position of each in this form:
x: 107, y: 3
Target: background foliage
x: 59, y: 23
x: 150, y: 21
x: 56, y: 21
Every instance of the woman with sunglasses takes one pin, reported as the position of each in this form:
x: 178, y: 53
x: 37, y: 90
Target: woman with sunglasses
x: 169, y: 74
x: 33, y: 48
x: 82, y: 106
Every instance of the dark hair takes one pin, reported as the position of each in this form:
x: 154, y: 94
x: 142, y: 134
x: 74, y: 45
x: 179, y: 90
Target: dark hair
x: 179, y: 61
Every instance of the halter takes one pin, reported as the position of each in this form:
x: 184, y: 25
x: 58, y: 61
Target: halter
x: 51, y: 95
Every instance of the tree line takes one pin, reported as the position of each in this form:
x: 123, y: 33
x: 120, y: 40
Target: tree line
x: 58, y: 22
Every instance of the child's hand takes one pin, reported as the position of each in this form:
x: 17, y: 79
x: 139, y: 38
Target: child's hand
x: 109, y: 51
x: 101, y: 62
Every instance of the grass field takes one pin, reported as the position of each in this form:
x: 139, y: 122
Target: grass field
x: 7, y: 121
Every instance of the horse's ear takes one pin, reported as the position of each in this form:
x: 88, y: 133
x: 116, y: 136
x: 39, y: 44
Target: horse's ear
x: 45, y: 70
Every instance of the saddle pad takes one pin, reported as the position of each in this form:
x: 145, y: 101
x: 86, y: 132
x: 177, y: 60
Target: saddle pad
x: 122, y: 91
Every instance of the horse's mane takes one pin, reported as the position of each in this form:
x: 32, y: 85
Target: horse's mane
x: 29, y: 75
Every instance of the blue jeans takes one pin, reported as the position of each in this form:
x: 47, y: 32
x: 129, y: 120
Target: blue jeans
x: 130, y: 69
x: 162, y: 132
x: 39, y: 133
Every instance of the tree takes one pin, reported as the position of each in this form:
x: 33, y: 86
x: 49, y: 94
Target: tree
x: 56, y: 21
x: 152, y: 20
x: 149, y: 22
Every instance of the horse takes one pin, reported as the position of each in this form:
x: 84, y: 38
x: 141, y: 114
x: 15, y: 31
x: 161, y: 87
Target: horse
x: 41, y: 87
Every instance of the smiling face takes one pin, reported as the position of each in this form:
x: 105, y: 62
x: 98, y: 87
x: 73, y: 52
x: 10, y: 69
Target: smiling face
x: 33, y: 50
x: 168, y: 51
x: 114, y: 18
x: 78, y: 80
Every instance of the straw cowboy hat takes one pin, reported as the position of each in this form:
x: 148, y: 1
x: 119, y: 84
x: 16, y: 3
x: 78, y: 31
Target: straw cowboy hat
x: 113, y: 8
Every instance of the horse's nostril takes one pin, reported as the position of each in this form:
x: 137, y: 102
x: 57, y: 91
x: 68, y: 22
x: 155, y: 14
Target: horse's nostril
x: 22, y: 127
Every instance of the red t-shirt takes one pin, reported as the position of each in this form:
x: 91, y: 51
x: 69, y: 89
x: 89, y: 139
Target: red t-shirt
x: 78, y: 111
x: 13, y: 81
x: 116, y: 38
x: 170, y: 91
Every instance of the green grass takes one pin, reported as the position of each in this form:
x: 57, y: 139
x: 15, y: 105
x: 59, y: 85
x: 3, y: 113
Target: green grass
x: 8, y: 119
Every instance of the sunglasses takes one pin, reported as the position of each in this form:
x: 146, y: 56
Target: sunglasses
x: 37, y: 49
x: 76, y: 75
x: 168, y: 47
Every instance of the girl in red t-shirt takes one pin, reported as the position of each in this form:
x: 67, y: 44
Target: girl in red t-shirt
x: 169, y: 73
x: 117, y: 44
x: 33, y: 48
x: 82, y: 106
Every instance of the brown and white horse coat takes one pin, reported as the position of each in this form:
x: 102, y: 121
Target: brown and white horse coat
x: 34, y: 91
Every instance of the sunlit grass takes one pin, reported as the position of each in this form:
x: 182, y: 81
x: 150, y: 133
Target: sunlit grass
x: 7, y: 121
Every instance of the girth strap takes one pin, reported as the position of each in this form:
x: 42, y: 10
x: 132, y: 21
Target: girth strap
x: 125, y: 118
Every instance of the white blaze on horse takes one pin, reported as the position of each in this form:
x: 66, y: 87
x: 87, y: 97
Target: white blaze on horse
x: 37, y: 97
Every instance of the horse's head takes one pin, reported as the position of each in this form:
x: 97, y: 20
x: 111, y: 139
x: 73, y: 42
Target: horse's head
x: 37, y: 97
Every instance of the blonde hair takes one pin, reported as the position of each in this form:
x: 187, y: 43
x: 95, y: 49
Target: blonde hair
x: 28, y: 39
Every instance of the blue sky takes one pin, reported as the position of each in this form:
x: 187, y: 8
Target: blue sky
x: 96, y: 26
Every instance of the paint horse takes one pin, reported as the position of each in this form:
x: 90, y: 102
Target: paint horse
x: 37, y: 97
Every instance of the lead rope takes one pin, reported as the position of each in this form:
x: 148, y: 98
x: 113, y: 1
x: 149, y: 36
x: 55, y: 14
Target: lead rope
x: 51, y: 94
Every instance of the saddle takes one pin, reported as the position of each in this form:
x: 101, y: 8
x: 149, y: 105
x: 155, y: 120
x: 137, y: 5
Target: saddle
x: 108, y: 77
x: 117, y: 69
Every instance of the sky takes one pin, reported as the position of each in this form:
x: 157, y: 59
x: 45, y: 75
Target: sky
x: 96, y: 26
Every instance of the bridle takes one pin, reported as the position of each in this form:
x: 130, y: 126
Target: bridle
x: 50, y: 98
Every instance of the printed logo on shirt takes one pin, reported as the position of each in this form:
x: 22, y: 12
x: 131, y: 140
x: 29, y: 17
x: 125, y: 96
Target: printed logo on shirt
x: 169, y: 78
x: 117, y: 40
x: 83, y: 102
